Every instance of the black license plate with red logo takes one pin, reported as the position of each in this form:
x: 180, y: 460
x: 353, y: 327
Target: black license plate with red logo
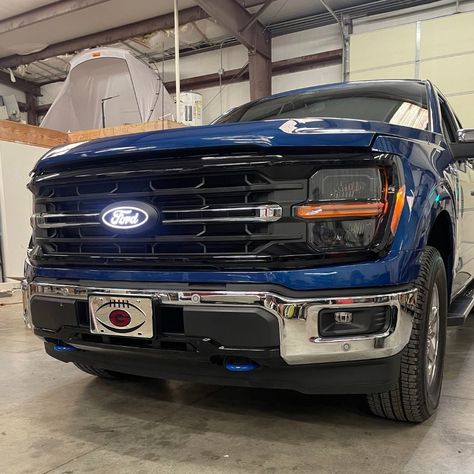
x: 117, y: 315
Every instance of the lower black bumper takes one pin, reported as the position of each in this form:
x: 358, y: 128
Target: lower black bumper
x: 198, y: 332
x: 371, y: 376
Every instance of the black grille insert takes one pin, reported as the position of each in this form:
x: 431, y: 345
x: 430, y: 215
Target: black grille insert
x: 210, y: 215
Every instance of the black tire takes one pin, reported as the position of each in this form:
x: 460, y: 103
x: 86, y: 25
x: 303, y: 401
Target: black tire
x: 102, y: 373
x: 415, y: 399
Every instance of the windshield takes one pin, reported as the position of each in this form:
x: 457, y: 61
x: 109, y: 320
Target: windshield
x: 391, y: 102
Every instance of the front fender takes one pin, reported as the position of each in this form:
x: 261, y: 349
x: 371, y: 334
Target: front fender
x: 429, y: 189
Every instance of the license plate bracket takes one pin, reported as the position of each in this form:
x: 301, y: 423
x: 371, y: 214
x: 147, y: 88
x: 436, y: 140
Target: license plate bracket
x: 121, y: 315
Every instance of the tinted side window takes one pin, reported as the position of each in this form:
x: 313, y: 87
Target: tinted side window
x: 448, y: 122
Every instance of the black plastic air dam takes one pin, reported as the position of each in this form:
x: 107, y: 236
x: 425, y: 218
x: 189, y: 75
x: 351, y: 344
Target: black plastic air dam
x: 233, y: 327
x: 240, y: 327
x: 53, y: 313
x: 358, y: 377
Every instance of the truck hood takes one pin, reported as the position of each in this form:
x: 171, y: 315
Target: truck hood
x: 302, y: 134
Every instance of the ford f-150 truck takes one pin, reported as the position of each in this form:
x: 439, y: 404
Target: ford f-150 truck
x: 319, y: 240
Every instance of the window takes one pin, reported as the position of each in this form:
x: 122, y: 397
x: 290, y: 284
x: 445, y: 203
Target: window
x: 448, y: 121
x: 385, y: 101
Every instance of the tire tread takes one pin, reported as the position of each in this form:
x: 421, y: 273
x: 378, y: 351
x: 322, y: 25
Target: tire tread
x: 406, y: 402
x: 91, y: 370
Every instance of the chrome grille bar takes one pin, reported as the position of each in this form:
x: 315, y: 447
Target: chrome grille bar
x: 259, y: 213
x: 58, y: 220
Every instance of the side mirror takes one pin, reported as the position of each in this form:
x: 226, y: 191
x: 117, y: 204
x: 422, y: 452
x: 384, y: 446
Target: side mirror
x: 463, y: 148
x: 466, y: 135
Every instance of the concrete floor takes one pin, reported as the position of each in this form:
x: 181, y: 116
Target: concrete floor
x: 55, y: 419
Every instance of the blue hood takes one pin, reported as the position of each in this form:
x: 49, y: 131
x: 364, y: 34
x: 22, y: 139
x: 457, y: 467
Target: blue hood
x: 256, y: 136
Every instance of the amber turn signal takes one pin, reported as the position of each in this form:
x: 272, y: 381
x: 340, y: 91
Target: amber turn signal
x: 335, y: 210
x: 398, y: 209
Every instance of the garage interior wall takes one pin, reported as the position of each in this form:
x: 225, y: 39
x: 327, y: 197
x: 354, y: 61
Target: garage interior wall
x: 20, y: 96
x: 15, y: 202
x: 283, y: 47
x: 439, y: 49
x: 7, y: 90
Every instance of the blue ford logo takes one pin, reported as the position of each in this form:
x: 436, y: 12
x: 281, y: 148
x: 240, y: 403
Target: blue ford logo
x: 129, y: 216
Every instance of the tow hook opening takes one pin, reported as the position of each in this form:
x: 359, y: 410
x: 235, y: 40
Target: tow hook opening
x: 59, y: 346
x: 239, y: 364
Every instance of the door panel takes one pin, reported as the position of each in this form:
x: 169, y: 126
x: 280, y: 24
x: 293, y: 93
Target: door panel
x: 462, y: 169
x: 465, y: 203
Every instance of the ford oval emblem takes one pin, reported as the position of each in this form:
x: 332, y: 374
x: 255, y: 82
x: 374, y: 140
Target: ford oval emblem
x: 129, y: 216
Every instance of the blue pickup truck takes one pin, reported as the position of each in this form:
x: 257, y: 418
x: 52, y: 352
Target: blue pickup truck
x: 318, y: 240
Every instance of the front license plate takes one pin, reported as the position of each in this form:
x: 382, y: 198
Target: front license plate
x: 117, y: 315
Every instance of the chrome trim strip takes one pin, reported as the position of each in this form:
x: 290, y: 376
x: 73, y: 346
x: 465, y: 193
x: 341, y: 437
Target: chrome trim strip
x: 41, y: 220
x: 297, y: 317
x: 26, y: 296
x: 262, y: 213
x: 58, y: 215
x: 58, y: 225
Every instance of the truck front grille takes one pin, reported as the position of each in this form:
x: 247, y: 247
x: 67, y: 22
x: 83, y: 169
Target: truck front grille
x: 212, y: 215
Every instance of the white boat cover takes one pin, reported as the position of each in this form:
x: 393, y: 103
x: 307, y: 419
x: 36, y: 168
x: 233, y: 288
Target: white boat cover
x: 136, y: 92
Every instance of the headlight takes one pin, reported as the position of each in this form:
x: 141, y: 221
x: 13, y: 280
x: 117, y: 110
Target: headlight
x: 343, y: 234
x: 362, y: 185
x: 351, y: 208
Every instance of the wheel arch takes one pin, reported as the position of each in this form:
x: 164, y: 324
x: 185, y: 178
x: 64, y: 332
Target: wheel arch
x: 441, y: 237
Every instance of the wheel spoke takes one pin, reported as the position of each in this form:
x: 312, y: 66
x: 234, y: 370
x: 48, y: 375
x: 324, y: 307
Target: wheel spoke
x: 432, y: 335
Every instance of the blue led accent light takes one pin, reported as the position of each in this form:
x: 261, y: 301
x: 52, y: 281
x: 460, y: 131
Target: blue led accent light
x: 64, y: 348
x: 235, y: 366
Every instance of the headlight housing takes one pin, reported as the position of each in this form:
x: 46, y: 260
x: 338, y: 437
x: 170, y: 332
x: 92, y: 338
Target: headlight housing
x: 352, y: 208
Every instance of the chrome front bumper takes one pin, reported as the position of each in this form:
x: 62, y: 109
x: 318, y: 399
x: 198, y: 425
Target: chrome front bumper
x: 300, y: 342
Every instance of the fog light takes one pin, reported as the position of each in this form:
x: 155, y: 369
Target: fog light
x: 356, y: 321
x: 343, y: 317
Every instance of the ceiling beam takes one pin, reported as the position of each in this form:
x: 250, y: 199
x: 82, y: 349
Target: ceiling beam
x: 250, y: 3
x: 235, y: 18
x: 46, y: 12
x: 285, y: 66
x: 113, y: 35
x: 256, y: 15
x: 31, y: 112
x: 251, y: 33
x: 20, y: 84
